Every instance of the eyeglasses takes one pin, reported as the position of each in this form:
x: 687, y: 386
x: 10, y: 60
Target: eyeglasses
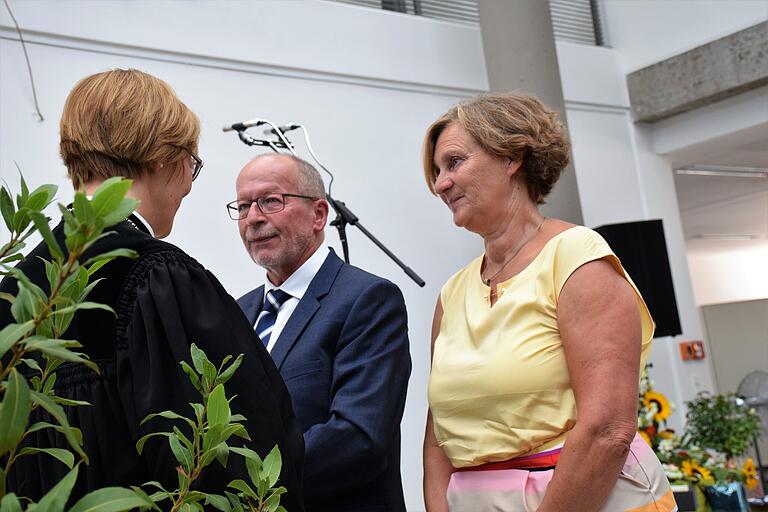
x: 197, y: 165
x: 272, y: 203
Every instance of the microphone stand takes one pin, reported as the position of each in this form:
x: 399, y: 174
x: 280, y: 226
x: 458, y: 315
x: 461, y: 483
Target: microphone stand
x: 344, y: 215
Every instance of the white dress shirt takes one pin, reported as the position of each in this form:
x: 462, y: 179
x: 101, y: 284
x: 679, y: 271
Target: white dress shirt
x: 146, y: 224
x: 296, y: 285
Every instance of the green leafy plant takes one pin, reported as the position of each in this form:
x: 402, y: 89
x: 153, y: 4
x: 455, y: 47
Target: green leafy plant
x: 721, y: 422
x: 205, y: 442
x: 41, y: 317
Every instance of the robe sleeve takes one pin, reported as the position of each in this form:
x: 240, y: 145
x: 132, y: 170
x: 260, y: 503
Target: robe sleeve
x: 169, y: 302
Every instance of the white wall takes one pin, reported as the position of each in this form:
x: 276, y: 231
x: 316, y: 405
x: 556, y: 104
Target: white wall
x: 728, y: 271
x: 646, y: 31
x: 366, y: 83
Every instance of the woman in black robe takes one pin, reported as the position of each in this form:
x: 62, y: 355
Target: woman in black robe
x: 131, y: 124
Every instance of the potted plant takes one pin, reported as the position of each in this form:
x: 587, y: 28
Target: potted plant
x: 724, y: 425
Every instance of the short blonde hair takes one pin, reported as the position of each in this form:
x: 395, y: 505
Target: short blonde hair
x: 516, y: 126
x: 121, y: 122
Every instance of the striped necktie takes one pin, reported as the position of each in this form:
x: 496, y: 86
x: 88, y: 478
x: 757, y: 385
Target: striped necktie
x: 266, y: 320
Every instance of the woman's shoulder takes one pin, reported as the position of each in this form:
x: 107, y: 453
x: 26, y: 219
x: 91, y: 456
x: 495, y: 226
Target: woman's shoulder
x: 461, y: 278
x: 574, y: 240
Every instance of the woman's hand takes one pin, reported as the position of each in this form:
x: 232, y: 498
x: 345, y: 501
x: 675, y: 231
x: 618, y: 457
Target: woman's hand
x: 599, y: 322
x: 437, y: 467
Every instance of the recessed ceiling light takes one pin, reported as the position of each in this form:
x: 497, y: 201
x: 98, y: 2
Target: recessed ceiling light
x: 723, y: 236
x: 721, y: 170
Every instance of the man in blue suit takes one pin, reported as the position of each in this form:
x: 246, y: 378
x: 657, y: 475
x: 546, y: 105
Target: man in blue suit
x: 338, y: 335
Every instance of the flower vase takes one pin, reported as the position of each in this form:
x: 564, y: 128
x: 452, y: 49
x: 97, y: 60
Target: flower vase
x: 728, y: 497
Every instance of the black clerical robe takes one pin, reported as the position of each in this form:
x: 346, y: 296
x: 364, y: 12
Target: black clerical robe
x: 164, y: 301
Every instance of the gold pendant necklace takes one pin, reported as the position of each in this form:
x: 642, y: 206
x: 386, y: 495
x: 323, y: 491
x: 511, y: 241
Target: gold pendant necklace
x: 487, y: 281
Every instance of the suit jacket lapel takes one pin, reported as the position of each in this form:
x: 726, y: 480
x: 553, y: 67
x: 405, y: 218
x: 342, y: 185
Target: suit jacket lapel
x: 257, y: 301
x: 307, y: 307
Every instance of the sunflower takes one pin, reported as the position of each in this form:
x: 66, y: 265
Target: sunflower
x: 750, y: 473
x: 645, y: 437
x: 693, y: 469
x: 663, y: 408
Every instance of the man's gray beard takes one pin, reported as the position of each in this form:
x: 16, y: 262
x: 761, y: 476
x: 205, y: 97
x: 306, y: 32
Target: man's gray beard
x: 293, y: 252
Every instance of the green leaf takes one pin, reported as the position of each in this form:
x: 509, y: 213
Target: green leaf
x: 247, y: 453
x: 26, y: 305
x: 212, y: 436
x: 227, y: 374
x: 108, y: 196
x: 12, y: 333
x: 209, y: 374
x: 15, y: 411
x: 69, y: 402
x: 60, y: 350
x: 24, y: 187
x: 31, y: 363
x: 56, y: 498
x: 119, y: 214
x: 48, y: 384
x: 222, y: 454
x: 52, y: 272
x: 156, y: 484
x: 40, y: 425
x: 10, y: 503
x: 7, y: 208
x: 8, y: 259
x: 186, y: 442
x: 235, y: 501
x: 218, y: 407
x: 243, y: 487
x: 181, y: 453
x: 96, y: 266
x: 198, y: 356
x: 147, y: 498
x: 253, y: 462
x: 193, y: 377
x: 63, y: 455
x: 140, y: 443
x: 116, y: 253
x: 83, y: 305
x: 58, y: 414
x: 169, y: 415
x: 111, y: 499
x: 83, y: 209
x: 273, y: 463
x: 272, y: 503
x: 218, y: 502
x: 41, y: 223
x: 21, y: 220
x: 40, y: 198
x: 199, y: 411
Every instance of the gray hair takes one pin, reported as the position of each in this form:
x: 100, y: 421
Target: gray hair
x: 310, y: 182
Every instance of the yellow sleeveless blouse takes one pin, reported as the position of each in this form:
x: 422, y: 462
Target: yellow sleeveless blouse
x: 499, y: 386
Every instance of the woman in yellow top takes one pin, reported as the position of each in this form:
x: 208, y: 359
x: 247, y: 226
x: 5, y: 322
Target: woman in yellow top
x: 537, y: 344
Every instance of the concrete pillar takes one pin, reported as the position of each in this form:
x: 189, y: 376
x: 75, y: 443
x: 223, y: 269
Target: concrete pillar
x: 520, y: 55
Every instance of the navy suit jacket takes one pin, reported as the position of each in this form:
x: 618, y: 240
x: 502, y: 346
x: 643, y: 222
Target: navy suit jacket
x: 345, y: 359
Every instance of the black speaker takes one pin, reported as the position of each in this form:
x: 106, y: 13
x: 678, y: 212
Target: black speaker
x: 643, y: 252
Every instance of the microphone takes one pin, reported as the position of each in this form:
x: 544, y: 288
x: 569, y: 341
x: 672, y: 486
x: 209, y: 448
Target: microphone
x: 284, y: 128
x: 242, y: 126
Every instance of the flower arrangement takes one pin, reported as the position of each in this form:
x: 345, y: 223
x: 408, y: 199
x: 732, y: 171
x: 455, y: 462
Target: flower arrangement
x: 717, y: 432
